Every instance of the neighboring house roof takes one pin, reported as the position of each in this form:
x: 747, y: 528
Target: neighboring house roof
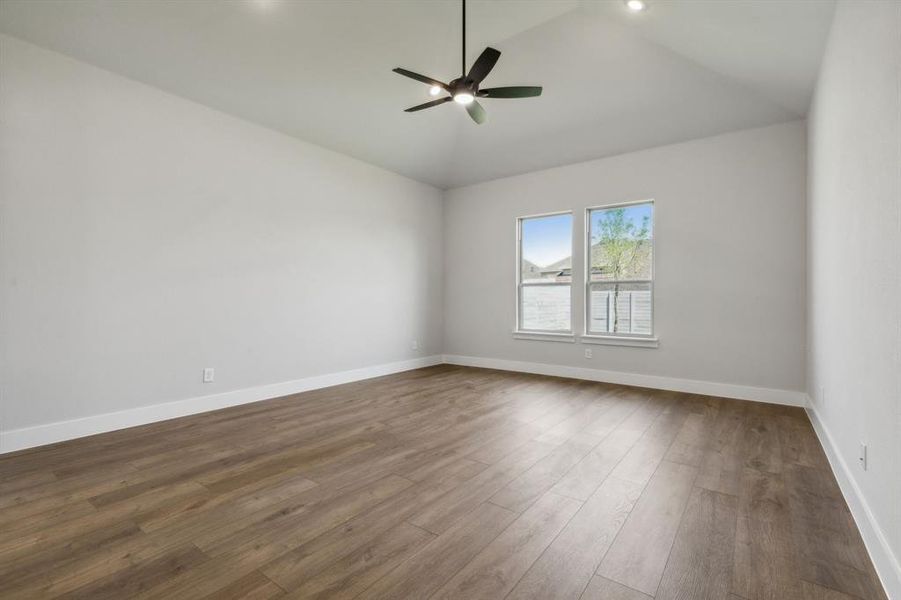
x: 530, y: 267
x: 561, y: 265
x: 639, y: 268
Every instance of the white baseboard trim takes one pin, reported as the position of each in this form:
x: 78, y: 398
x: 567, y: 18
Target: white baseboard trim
x: 39, y: 435
x: 691, y: 386
x: 887, y: 564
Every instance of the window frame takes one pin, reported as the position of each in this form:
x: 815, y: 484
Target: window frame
x: 614, y: 338
x: 567, y: 335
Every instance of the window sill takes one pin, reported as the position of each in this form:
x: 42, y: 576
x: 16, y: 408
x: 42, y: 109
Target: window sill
x: 616, y: 340
x: 544, y: 336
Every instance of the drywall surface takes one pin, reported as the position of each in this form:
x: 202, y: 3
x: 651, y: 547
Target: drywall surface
x: 145, y: 237
x: 729, y: 243
x: 854, y: 232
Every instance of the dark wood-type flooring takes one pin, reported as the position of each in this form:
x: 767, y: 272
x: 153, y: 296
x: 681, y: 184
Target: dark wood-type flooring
x: 446, y: 482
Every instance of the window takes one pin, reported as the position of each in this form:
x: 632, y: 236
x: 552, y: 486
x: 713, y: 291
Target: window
x: 544, y: 274
x: 620, y: 270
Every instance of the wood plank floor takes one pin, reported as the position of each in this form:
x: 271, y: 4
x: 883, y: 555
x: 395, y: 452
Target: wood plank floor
x: 447, y: 483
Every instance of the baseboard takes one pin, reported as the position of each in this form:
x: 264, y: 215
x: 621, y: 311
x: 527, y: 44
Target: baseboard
x: 29, y: 437
x: 691, y: 386
x: 39, y: 435
x: 887, y: 565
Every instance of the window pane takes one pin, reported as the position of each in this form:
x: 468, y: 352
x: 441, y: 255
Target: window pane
x: 620, y: 308
x: 546, y: 258
x: 622, y: 242
x: 546, y: 307
x: 546, y: 252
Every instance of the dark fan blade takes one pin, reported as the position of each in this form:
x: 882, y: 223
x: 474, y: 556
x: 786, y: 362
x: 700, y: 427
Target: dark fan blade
x: 429, y: 104
x: 521, y: 91
x: 483, y: 65
x: 419, y: 77
x: 476, y: 111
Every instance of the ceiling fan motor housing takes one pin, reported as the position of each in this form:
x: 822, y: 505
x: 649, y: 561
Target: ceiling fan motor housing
x: 462, y: 85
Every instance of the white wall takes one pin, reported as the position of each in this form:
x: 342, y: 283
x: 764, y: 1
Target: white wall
x: 854, y: 231
x: 145, y: 237
x: 729, y: 243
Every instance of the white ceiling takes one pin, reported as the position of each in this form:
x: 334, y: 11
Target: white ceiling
x: 321, y: 70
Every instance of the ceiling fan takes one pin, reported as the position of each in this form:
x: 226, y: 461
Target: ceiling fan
x: 465, y: 89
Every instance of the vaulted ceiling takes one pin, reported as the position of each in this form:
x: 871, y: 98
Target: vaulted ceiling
x: 613, y: 81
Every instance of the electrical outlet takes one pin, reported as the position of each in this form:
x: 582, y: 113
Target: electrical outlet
x: 588, y: 353
x: 209, y: 374
x: 414, y: 345
x: 863, y: 456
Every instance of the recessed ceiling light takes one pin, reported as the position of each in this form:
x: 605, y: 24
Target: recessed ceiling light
x: 434, y: 90
x: 636, y: 5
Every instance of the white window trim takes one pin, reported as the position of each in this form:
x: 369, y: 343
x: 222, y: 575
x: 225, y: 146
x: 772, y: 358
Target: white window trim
x: 567, y: 335
x: 618, y: 339
x: 544, y: 336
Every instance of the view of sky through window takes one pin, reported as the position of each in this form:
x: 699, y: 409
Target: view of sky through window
x: 545, y: 240
x: 636, y: 214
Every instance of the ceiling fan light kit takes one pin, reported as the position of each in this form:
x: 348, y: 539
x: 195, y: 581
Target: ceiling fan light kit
x: 465, y: 89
